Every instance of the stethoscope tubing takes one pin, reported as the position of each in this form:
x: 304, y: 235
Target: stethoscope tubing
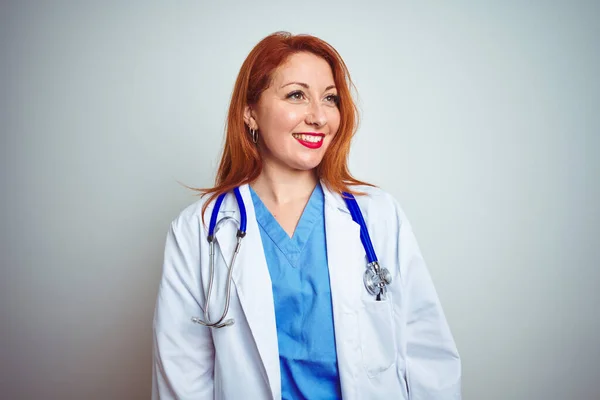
x: 357, y: 216
x: 215, y: 214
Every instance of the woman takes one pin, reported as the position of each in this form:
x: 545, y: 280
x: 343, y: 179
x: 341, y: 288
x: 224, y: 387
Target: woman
x: 300, y: 322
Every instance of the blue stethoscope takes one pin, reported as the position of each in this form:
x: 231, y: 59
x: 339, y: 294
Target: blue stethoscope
x: 376, y: 278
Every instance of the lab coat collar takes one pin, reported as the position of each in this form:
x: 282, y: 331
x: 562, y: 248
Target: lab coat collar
x: 254, y: 287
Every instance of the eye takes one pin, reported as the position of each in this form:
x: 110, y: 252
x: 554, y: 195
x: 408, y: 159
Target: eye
x: 333, y: 98
x: 295, y: 95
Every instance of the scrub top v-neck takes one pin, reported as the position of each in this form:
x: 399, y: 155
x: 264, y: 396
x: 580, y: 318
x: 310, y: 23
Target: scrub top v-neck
x: 302, y: 297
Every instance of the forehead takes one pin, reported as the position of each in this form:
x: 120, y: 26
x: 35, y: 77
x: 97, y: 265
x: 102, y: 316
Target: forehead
x: 304, y: 67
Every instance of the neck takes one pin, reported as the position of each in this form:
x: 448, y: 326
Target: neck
x: 281, y: 187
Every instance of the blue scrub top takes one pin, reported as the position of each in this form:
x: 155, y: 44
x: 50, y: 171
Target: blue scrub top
x: 302, y: 296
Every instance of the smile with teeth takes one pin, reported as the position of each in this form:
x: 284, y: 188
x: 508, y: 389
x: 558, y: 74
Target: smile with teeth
x: 308, y: 138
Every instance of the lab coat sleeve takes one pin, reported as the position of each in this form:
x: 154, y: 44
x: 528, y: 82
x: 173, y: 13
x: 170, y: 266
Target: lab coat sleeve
x: 433, y: 367
x: 183, y: 351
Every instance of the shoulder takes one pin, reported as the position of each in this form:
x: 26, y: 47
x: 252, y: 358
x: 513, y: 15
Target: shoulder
x: 377, y: 204
x: 374, y: 195
x: 190, y: 216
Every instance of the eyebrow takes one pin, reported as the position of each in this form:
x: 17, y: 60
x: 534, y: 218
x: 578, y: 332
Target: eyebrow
x: 305, y: 85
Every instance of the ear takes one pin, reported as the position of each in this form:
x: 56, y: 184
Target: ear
x: 250, y: 118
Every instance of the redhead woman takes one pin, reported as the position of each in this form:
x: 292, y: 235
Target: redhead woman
x: 291, y: 279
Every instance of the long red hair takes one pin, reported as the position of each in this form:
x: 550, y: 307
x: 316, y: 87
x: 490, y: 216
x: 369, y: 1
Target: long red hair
x: 241, y: 162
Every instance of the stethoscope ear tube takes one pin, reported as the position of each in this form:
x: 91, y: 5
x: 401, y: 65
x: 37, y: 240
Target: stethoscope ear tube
x: 241, y: 233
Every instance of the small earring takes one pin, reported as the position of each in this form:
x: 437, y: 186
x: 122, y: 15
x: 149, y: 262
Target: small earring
x: 254, y: 135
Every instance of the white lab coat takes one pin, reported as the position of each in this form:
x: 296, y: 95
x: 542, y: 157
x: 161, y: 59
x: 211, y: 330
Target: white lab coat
x: 399, y: 348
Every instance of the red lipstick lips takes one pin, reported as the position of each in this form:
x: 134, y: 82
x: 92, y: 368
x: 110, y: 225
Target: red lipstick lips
x: 311, y: 140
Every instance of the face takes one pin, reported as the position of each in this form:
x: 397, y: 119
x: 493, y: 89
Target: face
x: 297, y: 115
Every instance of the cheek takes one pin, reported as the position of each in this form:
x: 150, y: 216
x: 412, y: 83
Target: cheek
x: 283, y: 119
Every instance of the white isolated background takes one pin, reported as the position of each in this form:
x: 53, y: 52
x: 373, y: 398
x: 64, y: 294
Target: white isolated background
x: 481, y: 117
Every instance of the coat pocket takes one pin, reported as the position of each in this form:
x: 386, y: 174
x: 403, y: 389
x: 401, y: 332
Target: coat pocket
x: 376, y: 330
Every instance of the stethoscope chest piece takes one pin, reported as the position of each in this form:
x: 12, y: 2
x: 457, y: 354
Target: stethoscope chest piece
x: 376, y: 279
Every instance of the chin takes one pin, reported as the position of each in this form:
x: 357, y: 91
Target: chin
x: 307, y: 165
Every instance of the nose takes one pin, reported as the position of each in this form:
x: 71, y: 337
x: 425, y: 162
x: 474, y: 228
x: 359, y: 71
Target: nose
x: 316, y: 115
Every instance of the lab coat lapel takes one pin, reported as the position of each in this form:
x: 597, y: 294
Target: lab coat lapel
x: 253, y: 284
x: 347, y: 263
